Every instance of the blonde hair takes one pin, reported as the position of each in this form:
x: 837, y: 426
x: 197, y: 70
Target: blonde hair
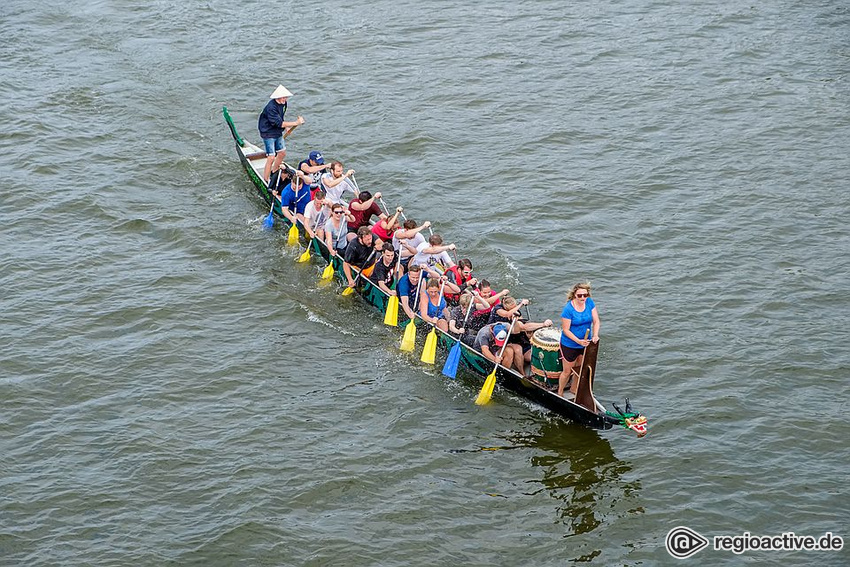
x: 465, y: 299
x: 509, y: 302
x: 572, y: 293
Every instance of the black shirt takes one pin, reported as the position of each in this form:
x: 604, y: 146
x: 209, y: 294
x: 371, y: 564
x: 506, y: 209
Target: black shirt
x: 384, y: 273
x: 356, y: 253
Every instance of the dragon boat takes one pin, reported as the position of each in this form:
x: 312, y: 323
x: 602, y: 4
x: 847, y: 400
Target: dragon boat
x: 582, y: 408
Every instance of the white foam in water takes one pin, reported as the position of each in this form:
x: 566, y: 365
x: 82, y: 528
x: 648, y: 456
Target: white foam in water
x: 316, y: 319
x: 513, y: 272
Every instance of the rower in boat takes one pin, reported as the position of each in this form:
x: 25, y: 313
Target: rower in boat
x: 522, y: 329
x: 316, y: 215
x: 489, y: 342
x: 408, y: 288
x: 459, y: 318
x: 359, y: 253
x: 434, y: 252
x: 313, y: 166
x: 407, y: 238
x: 432, y: 305
x: 336, y: 230
x: 460, y: 275
x: 336, y: 183
x: 385, y: 270
x: 385, y: 227
x: 295, y: 197
x: 364, y: 207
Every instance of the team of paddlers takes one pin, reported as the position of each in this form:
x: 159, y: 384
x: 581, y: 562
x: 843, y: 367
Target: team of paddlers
x: 391, y: 250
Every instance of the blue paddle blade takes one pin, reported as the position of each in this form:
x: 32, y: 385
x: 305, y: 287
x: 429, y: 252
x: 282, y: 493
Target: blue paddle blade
x: 268, y: 224
x: 450, y: 367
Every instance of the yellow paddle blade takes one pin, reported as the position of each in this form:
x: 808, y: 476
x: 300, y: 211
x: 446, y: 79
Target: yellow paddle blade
x: 430, y: 348
x: 328, y: 272
x: 347, y: 291
x: 487, y: 389
x: 305, y: 257
x: 292, y: 239
x: 391, y: 316
x: 409, y: 337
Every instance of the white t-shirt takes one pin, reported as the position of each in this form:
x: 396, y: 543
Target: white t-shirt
x: 430, y: 259
x: 414, y: 242
x: 335, y: 193
x: 316, y: 218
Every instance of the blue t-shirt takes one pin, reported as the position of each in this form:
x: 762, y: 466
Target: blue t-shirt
x: 288, y: 198
x: 580, y: 322
x: 405, y: 287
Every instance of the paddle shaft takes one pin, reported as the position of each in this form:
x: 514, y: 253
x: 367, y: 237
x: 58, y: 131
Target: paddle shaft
x: 290, y: 131
x: 416, y: 299
x: 360, y: 273
x: 439, y: 300
x: 465, y: 319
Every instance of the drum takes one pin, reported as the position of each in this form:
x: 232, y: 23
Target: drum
x: 546, y: 363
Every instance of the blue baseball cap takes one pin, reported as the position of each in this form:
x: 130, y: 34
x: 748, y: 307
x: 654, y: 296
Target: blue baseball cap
x: 317, y: 157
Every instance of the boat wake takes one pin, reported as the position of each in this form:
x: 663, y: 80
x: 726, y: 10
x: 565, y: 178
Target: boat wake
x: 314, y: 318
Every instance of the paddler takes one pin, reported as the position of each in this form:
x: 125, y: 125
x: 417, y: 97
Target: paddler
x: 359, y: 252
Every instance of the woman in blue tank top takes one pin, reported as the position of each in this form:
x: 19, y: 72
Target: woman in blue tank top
x: 432, y: 305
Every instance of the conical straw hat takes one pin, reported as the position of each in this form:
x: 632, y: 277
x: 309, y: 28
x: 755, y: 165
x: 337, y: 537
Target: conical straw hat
x: 280, y: 92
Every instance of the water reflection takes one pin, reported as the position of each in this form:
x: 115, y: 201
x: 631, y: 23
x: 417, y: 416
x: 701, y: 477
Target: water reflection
x: 578, y: 468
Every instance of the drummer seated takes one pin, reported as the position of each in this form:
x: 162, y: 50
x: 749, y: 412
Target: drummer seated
x: 490, y: 341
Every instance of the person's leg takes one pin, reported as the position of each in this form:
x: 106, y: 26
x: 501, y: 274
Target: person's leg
x: 507, y: 358
x: 567, y: 368
x: 517, y: 356
x: 280, y: 152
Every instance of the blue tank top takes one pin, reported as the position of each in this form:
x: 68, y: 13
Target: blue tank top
x: 436, y: 310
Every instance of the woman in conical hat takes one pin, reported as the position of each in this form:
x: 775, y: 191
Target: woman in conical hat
x: 272, y: 125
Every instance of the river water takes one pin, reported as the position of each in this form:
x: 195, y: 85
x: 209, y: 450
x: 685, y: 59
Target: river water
x: 175, y: 390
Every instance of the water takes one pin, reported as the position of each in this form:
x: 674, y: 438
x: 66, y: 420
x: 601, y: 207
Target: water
x: 177, y: 391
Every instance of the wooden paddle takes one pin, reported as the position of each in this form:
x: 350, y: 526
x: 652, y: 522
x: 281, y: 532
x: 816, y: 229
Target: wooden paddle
x: 291, y: 130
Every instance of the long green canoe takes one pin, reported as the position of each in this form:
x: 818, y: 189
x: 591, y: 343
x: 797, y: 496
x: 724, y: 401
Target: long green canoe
x: 253, y: 159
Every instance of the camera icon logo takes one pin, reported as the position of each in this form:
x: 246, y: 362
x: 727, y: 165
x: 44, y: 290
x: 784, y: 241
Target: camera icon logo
x: 682, y: 542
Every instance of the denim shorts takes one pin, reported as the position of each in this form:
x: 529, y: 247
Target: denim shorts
x: 274, y: 145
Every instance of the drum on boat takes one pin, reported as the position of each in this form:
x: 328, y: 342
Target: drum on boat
x: 546, y: 355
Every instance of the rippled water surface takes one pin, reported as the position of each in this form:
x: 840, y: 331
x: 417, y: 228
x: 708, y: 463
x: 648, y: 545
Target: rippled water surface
x: 175, y: 390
